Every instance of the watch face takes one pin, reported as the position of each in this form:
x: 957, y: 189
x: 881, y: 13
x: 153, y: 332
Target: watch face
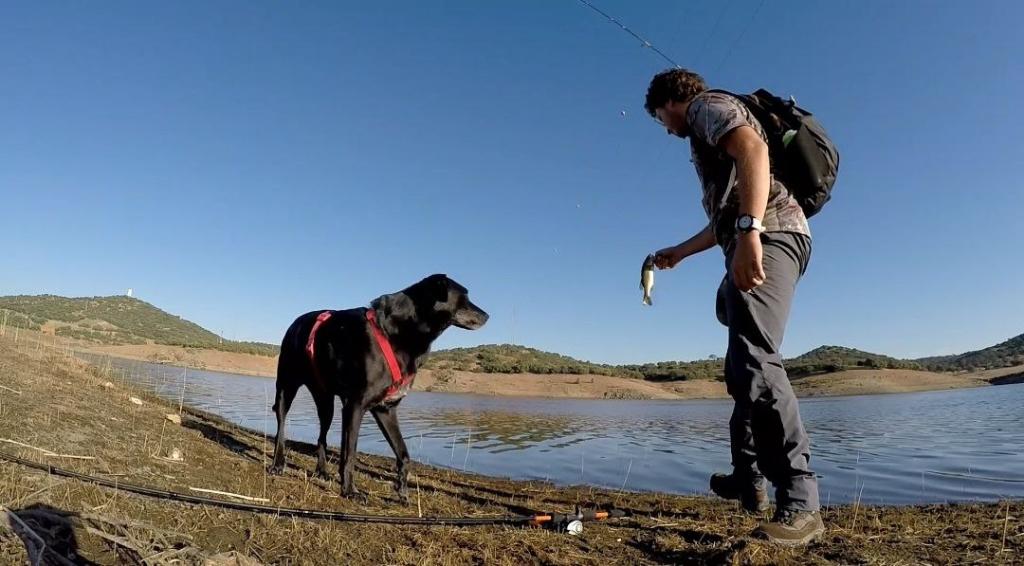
x: 745, y: 221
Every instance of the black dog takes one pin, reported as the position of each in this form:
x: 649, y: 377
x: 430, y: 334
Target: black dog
x: 346, y: 354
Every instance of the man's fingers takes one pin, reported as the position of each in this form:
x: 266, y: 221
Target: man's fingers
x: 747, y: 279
x: 756, y: 278
x: 667, y: 261
x: 740, y: 278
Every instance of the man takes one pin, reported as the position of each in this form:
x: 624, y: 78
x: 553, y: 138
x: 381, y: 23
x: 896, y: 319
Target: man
x: 767, y: 243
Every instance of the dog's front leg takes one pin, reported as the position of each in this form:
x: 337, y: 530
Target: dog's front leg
x: 387, y: 420
x: 352, y: 417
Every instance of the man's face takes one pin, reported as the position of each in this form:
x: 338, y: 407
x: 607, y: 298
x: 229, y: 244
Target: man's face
x: 673, y: 117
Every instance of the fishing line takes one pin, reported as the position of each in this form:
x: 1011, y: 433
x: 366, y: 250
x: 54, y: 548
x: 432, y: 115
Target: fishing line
x: 643, y: 41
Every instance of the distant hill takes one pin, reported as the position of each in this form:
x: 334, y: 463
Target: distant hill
x: 125, y: 320
x: 1005, y: 354
x: 826, y: 359
x: 520, y: 359
x: 116, y: 320
x: 506, y: 358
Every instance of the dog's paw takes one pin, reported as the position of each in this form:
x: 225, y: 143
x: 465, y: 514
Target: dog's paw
x: 322, y: 474
x: 353, y: 494
x: 403, y: 494
x: 275, y: 469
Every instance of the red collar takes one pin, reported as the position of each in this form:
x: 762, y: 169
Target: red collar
x: 398, y: 382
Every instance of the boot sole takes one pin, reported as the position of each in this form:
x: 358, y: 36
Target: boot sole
x: 812, y: 536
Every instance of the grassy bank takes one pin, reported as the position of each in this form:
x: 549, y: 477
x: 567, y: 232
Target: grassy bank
x: 52, y: 404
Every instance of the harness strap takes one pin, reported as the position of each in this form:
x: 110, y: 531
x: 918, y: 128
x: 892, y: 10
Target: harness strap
x: 398, y: 381
x: 311, y: 343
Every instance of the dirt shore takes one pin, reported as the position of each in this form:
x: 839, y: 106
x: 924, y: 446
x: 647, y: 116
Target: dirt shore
x: 55, y: 407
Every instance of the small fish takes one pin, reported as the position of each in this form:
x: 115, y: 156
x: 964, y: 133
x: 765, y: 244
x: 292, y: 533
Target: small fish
x: 647, y: 278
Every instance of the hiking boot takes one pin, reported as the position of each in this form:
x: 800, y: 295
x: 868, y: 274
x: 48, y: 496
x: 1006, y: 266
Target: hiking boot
x: 752, y: 495
x: 791, y: 528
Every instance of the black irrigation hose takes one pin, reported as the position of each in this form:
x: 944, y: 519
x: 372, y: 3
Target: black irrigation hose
x: 539, y: 519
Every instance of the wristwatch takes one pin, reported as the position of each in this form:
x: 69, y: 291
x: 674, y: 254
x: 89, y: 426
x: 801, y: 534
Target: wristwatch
x: 748, y: 223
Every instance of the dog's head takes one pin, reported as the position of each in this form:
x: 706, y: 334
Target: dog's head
x: 430, y: 305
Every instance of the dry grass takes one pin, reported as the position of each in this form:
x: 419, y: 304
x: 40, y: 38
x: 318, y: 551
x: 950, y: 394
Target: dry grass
x: 64, y: 407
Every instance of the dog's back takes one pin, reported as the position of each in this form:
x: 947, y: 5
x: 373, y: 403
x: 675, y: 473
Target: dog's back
x: 295, y: 366
x: 292, y: 362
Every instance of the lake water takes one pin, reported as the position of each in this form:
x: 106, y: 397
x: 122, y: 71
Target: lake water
x: 941, y: 446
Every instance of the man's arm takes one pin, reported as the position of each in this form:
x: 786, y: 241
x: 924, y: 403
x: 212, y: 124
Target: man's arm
x: 701, y: 241
x: 753, y: 171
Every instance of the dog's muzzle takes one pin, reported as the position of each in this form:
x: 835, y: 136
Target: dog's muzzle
x: 471, y: 318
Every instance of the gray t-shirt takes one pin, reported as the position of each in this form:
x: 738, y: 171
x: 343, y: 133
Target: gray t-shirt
x: 711, y: 115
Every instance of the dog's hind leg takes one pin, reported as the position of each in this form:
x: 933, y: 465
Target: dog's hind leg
x: 387, y: 420
x: 352, y: 420
x: 282, y: 403
x: 325, y: 413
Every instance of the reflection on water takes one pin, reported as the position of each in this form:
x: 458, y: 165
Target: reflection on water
x: 907, y: 448
x: 497, y: 431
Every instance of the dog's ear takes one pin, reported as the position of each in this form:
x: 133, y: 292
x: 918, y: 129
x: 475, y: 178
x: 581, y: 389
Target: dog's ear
x: 441, y: 288
x: 394, y: 311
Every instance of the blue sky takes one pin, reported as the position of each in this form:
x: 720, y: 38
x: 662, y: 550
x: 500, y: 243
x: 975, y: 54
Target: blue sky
x: 239, y: 163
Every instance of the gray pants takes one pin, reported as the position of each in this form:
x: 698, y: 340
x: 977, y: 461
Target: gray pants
x: 767, y: 436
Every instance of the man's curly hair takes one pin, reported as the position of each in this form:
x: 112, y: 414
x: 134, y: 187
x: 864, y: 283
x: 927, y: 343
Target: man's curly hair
x: 679, y: 85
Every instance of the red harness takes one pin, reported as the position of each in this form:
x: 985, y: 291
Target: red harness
x: 399, y: 383
x: 310, y: 348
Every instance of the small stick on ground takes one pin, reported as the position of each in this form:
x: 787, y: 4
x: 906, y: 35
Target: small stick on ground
x: 155, y: 457
x: 1006, y: 523
x: 856, y: 508
x: 15, y: 391
x: 419, y: 505
x: 23, y: 445
x: 228, y: 494
x: 72, y: 456
x: 45, y: 451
